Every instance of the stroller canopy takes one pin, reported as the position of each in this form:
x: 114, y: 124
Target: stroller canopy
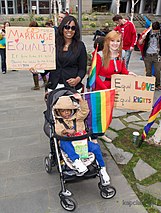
x: 52, y: 99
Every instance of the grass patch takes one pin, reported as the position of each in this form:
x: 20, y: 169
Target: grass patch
x: 149, y: 154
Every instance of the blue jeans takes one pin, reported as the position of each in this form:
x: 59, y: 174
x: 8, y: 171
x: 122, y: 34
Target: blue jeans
x: 126, y: 54
x: 68, y: 148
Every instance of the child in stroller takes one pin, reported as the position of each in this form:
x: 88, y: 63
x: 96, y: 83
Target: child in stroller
x: 69, y: 119
x: 65, y: 110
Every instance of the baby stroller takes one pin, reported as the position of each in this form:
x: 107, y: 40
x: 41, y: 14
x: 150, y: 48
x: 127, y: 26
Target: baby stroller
x: 58, y: 158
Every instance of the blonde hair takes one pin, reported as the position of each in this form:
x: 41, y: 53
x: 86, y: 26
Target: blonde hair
x: 113, y: 35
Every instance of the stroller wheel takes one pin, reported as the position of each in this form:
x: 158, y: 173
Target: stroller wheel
x: 48, y: 165
x: 107, y: 192
x: 68, y: 203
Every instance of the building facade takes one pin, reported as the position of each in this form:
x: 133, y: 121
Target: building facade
x: 8, y: 7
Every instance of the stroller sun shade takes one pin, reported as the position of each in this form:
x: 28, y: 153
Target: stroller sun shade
x: 52, y: 99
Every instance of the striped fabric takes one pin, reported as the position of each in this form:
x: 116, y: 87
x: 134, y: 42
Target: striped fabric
x: 155, y: 111
x: 101, y: 105
x: 92, y: 72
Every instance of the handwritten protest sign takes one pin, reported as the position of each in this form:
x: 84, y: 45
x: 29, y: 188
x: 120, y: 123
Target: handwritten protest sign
x: 133, y: 92
x: 28, y: 47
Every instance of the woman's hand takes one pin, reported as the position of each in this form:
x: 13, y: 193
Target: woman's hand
x: 33, y: 71
x: 73, y: 81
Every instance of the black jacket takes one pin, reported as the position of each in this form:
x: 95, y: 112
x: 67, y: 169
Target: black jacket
x: 69, y: 65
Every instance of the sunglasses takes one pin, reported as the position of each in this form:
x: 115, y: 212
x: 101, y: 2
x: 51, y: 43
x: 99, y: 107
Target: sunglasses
x: 67, y: 27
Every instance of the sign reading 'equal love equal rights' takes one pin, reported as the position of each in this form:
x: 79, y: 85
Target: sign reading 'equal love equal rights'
x: 133, y: 92
x: 28, y: 47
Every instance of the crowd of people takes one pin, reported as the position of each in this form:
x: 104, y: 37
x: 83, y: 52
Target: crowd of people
x: 124, y: 37
x: 114, y: 51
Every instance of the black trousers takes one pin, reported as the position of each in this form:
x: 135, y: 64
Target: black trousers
x: 3, y: 59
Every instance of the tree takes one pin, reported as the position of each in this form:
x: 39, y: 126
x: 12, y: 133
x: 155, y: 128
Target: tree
x: 59, y: 5
x: 67, y: 5
x: 117, y: 6
x: 55, y: 12
x: 132, y: 8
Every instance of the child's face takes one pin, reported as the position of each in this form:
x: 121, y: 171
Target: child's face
x: 65, y: 113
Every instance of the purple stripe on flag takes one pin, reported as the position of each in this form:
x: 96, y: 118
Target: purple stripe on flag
x: 89, y: 118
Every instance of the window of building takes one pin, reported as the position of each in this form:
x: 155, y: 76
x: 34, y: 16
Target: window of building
x: 44, y: 7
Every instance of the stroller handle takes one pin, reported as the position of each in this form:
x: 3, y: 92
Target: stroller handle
x: 74, y: 138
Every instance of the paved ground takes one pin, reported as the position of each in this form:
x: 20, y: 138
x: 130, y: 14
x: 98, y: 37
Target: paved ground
x: 24, y: 184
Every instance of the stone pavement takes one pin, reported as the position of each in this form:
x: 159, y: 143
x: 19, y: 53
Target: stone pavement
x: 24, y: 184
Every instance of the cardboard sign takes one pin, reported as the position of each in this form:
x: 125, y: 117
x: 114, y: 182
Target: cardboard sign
x: 133, y: 92
x: 81, y: 148
x: 30, y: 47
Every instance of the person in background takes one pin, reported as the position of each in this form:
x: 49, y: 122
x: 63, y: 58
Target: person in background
x: 49, y: 23
x: 35, y: 73
x: 151, y: 52
x: 3, y: 50
x: 6, y: 24
x: 71, y: 57
x: 99, y: 41
x: 61, y: 15
x: 101, y: 32
x: 129, y: 35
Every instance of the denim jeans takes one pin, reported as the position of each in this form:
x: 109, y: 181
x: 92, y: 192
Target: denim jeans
x: 68, y: 148
x: 126, y: 54
x: 150, y: 59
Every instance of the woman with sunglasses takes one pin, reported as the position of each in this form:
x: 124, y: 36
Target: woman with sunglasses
x: 71, y: 56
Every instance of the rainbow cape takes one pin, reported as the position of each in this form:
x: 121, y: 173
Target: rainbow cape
x: 92, y: 71
x: 155, y: 111
x: 101, y: 105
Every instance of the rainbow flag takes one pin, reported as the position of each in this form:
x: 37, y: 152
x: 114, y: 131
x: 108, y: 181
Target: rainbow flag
x: 92, y: 71
x: 101, y: 105
x: 148, y: 23
x: 146, y: 31
x: 155, y: 111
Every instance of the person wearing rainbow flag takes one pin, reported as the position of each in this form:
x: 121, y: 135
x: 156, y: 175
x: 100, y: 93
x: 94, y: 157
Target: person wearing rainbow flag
x: 69, y: 121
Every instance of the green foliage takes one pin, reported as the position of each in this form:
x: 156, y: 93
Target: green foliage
x: 31, y: 17
x: 21, y: 19
x: 94, y: 18
x: 12, y: 19
x: 92, y: 24
x: 85, y: 18
x: 41, y: 24
x: 39, y: 18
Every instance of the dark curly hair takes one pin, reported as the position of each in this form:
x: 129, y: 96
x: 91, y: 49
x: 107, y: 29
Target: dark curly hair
x: 100, y: 42
x: 156, y: 25
x: 33, y: 24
